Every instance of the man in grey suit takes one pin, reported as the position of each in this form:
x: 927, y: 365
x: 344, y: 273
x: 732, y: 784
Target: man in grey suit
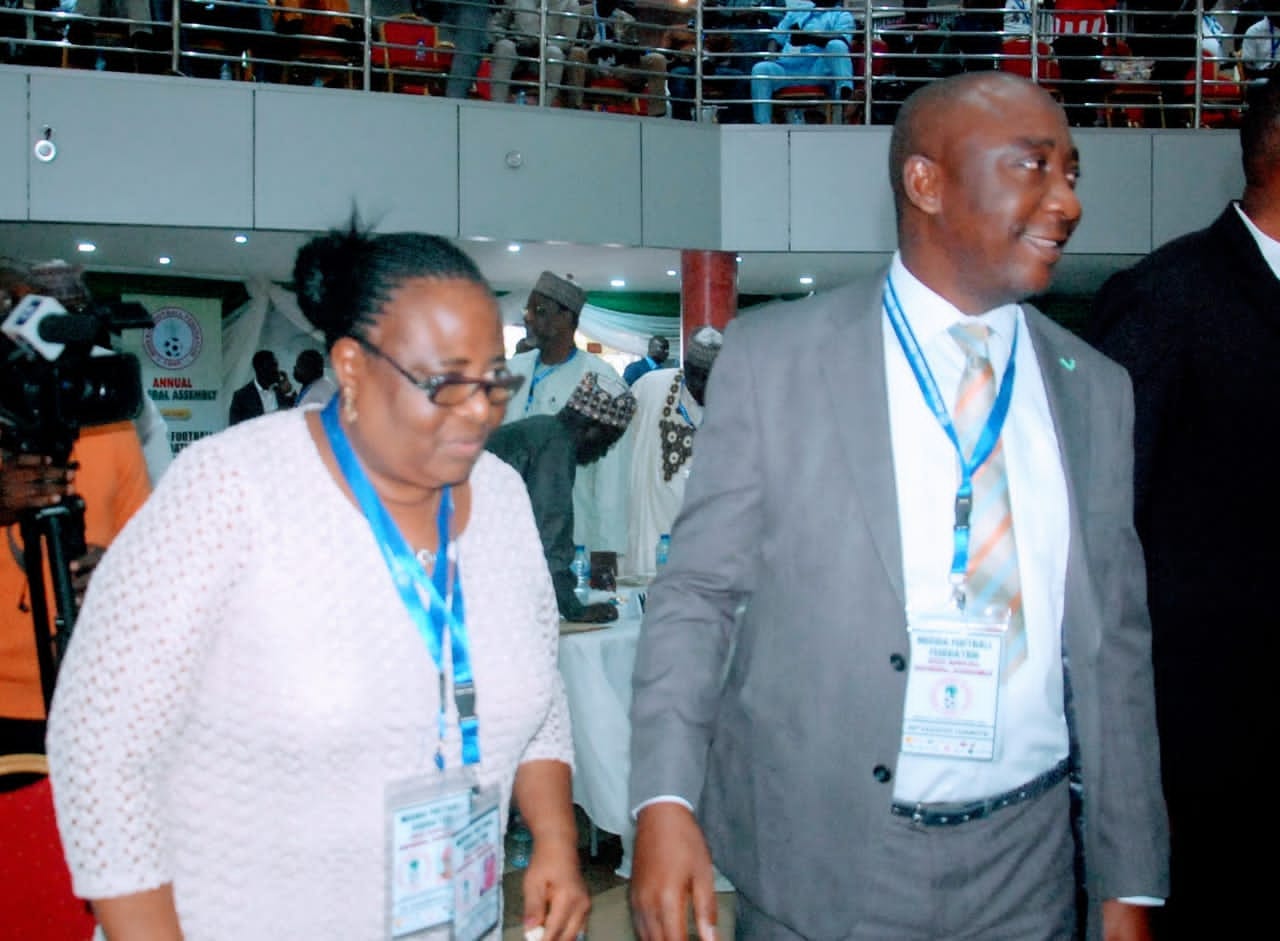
x: 803, y: 710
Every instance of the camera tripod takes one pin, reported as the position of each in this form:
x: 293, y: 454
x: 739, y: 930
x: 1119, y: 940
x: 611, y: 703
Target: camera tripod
x: 55, y: 533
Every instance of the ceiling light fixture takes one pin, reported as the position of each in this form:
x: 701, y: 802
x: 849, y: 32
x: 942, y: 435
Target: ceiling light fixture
x: 240, y: 239
x: 617, y: 283
x: 671, y: 272
x: 86, y: 247
x: 513, y: 247
x: 805, y: 279
x: 163, y: 260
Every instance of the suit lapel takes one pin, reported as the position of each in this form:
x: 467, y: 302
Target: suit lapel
x: 1066, y: 393
x: 853, y: 374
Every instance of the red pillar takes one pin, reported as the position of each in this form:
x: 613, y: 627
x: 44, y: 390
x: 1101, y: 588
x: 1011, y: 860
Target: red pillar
x: 708, y: 290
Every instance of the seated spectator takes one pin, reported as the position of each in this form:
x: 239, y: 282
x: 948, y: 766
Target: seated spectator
x: 516, y: 24
x: 733, y: 38
x: 1017, y: 17
x: 1260, y: 48
x: 237, y: 25
x: 614, y: 52
x: 973, y: 40
x: 814, y: 39
x: 1079, y: 27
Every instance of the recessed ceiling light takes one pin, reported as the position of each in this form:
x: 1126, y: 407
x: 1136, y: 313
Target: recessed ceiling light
x: 164, y: 260
x: 481, y: 238
x: 738, y: 259
x: 617, y: 283
x: 513, y: 247
x: 805, y: 279
x: 86, y: 247
x: 240, y: 239
x: 671, y: 272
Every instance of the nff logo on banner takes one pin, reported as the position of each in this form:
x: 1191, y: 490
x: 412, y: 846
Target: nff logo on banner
x: 176, y: 339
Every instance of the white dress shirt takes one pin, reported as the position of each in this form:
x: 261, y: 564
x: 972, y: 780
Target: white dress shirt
x: 1269, y: 247
x: 1031, y: 730
x: 268, y: 397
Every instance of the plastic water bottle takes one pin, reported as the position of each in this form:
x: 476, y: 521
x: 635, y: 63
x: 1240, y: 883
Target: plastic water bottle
x: 522, y: 97
x: 420, y: 54
x: 581, y: 569
x: 521, y: 844
x: 663, y: 550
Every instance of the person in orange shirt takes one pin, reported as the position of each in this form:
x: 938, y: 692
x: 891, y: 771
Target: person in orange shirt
x: 107, y: 469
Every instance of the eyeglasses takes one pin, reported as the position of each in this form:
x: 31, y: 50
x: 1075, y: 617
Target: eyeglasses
x: 450, y: 389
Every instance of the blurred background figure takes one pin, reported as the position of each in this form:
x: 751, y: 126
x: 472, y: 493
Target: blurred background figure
x: 668, y: 412
x: 314, y: 387
x: 659, y: 349
x: 268, y: 391
x: 547, y: 450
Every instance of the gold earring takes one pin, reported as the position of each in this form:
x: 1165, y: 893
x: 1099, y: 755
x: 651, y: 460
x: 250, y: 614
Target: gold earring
x: 349, y: 413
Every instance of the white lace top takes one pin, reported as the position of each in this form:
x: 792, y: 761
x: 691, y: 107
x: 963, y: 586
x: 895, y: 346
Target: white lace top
x: 244, y: 681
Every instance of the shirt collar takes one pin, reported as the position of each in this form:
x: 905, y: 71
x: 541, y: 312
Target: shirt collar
x: 930, y: 314
x: 1269, y: 247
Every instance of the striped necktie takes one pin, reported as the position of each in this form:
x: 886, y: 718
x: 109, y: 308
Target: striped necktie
x: 992, y: 574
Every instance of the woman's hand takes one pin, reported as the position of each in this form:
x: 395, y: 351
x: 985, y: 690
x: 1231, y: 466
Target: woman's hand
x: 555, y: 895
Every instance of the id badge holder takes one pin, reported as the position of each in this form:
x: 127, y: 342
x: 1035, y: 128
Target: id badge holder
x: 423, y: 814
x: 477, y: 877
x: 953, y: 685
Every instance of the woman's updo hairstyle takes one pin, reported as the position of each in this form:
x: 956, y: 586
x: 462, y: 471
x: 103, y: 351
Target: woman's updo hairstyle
x: 345, y: 278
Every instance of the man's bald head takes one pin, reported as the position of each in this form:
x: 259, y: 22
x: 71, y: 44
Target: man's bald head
x: 930, y: 114
x: 983, y: 170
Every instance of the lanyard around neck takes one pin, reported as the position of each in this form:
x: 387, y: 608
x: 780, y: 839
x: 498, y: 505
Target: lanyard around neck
x: 444, y: 589
x: 986, y: 442
x: 684, y: 412
x: 541, y: 372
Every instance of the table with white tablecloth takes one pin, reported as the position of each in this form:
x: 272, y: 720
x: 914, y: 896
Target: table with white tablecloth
x: 596, y: 666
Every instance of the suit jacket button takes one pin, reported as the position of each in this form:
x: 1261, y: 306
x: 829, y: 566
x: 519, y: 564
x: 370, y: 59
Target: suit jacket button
x: 898, y: 662
x: 881, y: 773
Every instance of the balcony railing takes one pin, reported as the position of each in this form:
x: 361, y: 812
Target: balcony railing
x: 696, y: 61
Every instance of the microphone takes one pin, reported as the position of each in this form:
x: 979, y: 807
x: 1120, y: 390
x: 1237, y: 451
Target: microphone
x: 70, y: 328
x: 23, y: 326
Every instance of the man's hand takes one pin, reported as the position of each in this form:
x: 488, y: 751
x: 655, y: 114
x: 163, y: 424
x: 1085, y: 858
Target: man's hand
x: 31, y: 482
x: 672, y: 867
x: 1124, y: 922
x: 555, y: 897
x: 600, y: 613
x: 82, y: 568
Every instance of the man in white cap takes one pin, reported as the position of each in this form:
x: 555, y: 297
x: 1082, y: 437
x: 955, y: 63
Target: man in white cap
x: 668, y: 413
x: 552, y: 370
x: 548, y: 451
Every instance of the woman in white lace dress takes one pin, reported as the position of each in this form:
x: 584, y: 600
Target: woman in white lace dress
x: 247, y: 678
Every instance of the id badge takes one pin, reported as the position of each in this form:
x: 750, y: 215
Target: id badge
x: 441, y: 831
x: 953, y: 686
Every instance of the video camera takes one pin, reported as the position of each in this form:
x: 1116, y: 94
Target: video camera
x: 59, y: 373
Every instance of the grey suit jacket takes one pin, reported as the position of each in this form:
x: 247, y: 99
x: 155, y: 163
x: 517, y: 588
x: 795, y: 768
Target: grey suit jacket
x: 779, y: 726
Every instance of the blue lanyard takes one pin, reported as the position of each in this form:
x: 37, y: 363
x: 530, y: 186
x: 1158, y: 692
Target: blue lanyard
x: 537, y: 377
x: 986, y: 442
x: 412, y: 583
x: 684, y: 412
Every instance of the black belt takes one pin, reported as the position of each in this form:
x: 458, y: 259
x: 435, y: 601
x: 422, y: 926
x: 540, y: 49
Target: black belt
x: 950, y: 814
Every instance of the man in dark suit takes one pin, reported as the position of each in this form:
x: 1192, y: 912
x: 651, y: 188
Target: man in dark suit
x: 805, y: 711
x: 268, y: 390
x: 1197, y: 323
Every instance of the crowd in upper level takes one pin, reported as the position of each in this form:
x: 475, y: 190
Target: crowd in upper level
x: 1128, y: 62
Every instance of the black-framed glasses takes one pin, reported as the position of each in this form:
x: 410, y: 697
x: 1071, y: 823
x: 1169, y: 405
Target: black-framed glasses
x: 450, y: 389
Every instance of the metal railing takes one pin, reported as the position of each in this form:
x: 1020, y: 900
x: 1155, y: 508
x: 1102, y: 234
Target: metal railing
x: 697, y: 61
